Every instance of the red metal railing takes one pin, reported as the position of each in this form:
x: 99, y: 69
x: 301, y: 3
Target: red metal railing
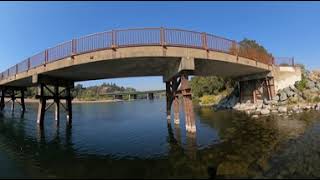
x: 136, y: 37
x: 284, y: 61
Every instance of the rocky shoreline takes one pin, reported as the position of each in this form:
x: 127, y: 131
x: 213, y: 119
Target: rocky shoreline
x: 292, y: 99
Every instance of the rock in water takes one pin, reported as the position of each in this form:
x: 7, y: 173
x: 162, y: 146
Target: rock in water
x: 282, y: 109
x: 295, y: 108
x: 264, y: 111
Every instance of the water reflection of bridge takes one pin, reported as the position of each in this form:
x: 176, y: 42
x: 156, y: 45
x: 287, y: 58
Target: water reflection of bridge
x: 59, y: 157
x: 245, y: 149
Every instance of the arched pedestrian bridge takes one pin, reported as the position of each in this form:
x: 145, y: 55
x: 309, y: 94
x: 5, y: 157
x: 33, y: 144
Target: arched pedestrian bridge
x: 171, y: 53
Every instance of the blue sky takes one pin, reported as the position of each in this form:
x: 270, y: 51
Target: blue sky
x: 284, y: 28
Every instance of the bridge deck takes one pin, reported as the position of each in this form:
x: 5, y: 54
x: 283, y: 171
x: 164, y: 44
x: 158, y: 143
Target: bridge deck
x: 134, y: 53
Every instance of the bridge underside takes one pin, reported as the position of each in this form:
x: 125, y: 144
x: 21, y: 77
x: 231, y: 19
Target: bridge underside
x: 140, y: 67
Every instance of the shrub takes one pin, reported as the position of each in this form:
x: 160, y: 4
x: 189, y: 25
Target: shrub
x: 316, y: 99
x: 208, y: 99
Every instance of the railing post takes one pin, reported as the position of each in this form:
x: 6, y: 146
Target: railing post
x: 16, y: 69
x: 29, y: 64
x: 46, y: 56
x: 73, y: 47
x: 114, y: 39
x: 237, y: 48
x: 273, y: 61
x: 204, y: 41
x: 292, y: 61
x: 162, y: 37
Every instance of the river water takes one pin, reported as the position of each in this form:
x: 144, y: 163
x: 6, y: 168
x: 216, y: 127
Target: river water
x: 132, y: 139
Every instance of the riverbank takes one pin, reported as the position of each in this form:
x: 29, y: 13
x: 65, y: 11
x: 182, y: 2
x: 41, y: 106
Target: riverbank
x: 303, y: 96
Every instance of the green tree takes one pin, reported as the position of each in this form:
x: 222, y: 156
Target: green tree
x: 211, y: 85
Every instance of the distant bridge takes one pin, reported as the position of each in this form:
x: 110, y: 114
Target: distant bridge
x: 171, y: 53
x: 133, y: 94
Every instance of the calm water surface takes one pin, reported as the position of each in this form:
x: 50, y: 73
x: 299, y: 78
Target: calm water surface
x: 132, y: 139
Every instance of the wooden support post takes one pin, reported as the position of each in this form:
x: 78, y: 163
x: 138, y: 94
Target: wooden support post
x: 240, y: 92
x: 187, y: 101
x: 2, y: 103
x: 13, y: 99
x: 176, y: 109
x: 42, y: 105
x: 254, y: 92
x: 69, y: 105
x: 168, y: 97
x: 23, y: 105
x: 56, y: 104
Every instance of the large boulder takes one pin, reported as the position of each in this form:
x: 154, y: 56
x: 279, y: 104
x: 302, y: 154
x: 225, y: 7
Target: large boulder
x: 314, y: 90
x: 293, y: 88
x: 276, y: 98
x: 232, y: 101
x: 295, y: 109
x: 266, y: 101
x: 310, y: 84
x: 283, y: 96
x: 282, y: 109
x: 264, y: 111
x: 287, y: 90
x: 318, y: 85
x: 291, y: 93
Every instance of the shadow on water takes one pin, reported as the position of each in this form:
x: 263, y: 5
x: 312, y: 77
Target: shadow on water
x: 246, y: 148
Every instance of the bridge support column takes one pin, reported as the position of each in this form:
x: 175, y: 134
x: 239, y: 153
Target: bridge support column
x: 42, y: 105
x: 256, y: 89
x: 176, y: 109
x: 56, y: 104
x: 13, y: 99
x: 11, y: 92
x: 2, y: 103
x: 23, y: 105
x: 56, y: 95
x: 168, y: 101
x: 171, y: 93
x: 187, y: 102
x: 69, y: 105
x: 150, y: 96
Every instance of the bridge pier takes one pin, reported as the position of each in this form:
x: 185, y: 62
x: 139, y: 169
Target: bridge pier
x: 173, y: 93
x: 56, y: 95
x: 187, y: 103
x: 2, y: 102
x: 176, y: 109
x: 118, y: 96
x: 11, y: 92
x: 132, y: 96
x: 256, y: 89
x: 150, y: 96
